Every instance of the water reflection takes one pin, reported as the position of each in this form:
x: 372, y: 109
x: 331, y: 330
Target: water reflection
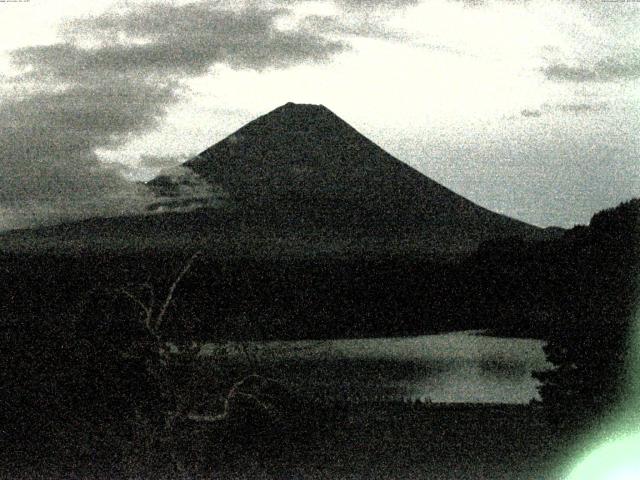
x: 453, y: 367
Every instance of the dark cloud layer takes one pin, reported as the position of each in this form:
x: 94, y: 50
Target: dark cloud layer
x: 581, y: 107
x: 574, y: 108
x: 377, y: 3
x: 191, y: 38
x: 362, y: 4
x: 350, y: 25
x: 48, y: 139
x: 530, y: 113
x: 114, y: 77
x: 606, y: 70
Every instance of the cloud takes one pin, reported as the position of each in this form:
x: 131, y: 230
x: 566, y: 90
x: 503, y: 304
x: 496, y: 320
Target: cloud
x: 359, y: 5
x: 607, y: 70
x: 191, y: 38
x: 472, y: 3
x: 182, y: 182
x: 114, y: 77
x: 135, y: 198
x: 377, y: 3
x: 48, y: 140
x: 581, y: 107
x: 163, y: 161
x: 530, y: 113
x: 574, y: 108
x: 352, y: 25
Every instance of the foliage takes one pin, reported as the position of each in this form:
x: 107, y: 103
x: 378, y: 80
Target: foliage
x: 590, y: 346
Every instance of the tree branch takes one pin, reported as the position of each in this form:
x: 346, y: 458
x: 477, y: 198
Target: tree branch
x: 195, y: 417
x: 147, y: 310
x: 234, y: 391
x: 172, y: 289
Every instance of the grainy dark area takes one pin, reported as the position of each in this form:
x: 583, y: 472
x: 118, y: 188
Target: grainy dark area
x: 91, y: 310
x: 329, y: 441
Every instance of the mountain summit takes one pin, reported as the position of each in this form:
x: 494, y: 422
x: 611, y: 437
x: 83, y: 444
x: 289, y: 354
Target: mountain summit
x: 310, y: 173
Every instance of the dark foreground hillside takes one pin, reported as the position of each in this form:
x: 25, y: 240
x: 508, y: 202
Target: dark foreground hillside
x: 390, y: 441
x: 512, y: 286
x: 78, y: 394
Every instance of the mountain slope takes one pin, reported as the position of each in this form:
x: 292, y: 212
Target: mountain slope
x: 301, y: 166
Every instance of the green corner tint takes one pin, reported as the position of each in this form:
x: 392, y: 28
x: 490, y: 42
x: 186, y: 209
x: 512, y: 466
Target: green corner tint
x: 614, y: 460
x: 614, y: 452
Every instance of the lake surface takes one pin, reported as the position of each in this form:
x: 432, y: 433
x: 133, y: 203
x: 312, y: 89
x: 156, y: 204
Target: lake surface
x: 453, y: 367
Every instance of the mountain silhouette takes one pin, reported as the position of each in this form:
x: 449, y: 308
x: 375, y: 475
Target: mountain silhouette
x: 296, y: 181
x: 301, y: 169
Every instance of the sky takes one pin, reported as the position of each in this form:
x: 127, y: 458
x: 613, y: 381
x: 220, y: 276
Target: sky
x: 529, y: 108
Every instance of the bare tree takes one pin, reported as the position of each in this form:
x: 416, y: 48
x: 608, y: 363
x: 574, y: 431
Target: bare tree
x: 163, y: 358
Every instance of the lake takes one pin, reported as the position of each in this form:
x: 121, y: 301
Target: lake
x: 457, y: 367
